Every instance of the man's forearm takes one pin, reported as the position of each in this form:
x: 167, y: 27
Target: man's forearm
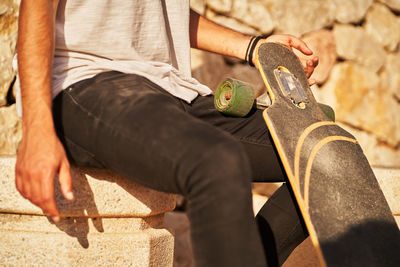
x: 35, y: 59
x: 209, y: 36
x: 40, y: 153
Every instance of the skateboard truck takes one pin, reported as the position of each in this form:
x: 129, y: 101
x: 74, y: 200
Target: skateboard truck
x: 236, y: 98
x: 291, y: 87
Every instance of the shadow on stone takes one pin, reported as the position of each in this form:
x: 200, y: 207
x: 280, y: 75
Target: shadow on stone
x: 148, y: 202
x: 101, y: 193
x: 81, y: 209
x: 159, y: 245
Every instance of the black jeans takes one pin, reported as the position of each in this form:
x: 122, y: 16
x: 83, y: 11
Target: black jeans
x: 128, y: 124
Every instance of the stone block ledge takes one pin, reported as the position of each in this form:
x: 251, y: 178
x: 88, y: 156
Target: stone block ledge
x: 389, y: 181
x: 112, y: 221
x: 150, y: 247
x: 98, y: 193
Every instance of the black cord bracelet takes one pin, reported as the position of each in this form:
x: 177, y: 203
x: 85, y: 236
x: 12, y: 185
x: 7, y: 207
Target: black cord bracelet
x: 248, y: 47
x: 252, y: 46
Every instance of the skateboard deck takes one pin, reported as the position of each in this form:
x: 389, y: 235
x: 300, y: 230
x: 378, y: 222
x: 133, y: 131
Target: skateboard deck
x: 345, y: 212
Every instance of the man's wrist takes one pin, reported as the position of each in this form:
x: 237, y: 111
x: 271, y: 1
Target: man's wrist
x: 36, y: 118
x: 251, y: 48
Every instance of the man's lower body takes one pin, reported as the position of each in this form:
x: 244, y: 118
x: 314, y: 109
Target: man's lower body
x: 126, y: 123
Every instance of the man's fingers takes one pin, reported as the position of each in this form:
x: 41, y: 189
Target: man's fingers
x: 36, y: 196
x: 287, y: 44
x: 66, y: 181
x: 48, y: 203
x: 309, y: 68
x: 300, y: 45
x: 26, y: 190
x: 315, y: 61
x: 309, y: 65
x: 51, y: 208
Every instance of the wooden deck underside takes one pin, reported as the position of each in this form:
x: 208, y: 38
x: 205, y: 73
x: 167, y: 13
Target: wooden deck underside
x: 347, y: 216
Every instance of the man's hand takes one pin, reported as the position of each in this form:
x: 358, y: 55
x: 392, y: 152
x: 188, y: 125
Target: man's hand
x: 40, y: 157
x: 209, y: 36
x: 292, y: 42
x: 40, y: 153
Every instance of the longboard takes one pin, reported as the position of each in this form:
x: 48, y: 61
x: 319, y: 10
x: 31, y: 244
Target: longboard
x: 345, y: 212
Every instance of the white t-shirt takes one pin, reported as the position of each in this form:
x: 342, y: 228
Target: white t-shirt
x: 149, y: 38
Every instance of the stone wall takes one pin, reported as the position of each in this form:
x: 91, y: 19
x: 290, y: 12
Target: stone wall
x: 10, y: 125
x: 357, y: 42
x: 358, y: 75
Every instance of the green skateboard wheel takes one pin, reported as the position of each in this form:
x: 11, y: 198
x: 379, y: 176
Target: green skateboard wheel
x: 234, y: 98
x: 329, y: 112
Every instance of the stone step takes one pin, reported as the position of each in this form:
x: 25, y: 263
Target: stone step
x: 97, y: 193
x: 389, y: 181
x: 112, y: 221
x: 144, y: 248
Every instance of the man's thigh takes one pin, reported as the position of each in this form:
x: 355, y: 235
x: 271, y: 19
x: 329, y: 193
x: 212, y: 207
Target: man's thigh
x: 251, y: 131
x: 128, y: 124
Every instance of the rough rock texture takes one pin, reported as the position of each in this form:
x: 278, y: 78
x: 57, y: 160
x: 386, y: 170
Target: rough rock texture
x: 297, y: 18
x: 203, y: 62
x: 382, y: 25
x: 231, y: 23
x: 260, y: 17
x: 353, y: 43
x: 8, y: 37
x: 351, y: 11
x: 393, y: 4
x: 32, y: 240
x: 221, y: 6
x: 390, y: 76
x: 322, y: 43
x: 10, y: 130
x: 198, y: 6
x: 6, y: 71
x: 4, y: 8
x: 98, y: 193
x: 389, y: 180
x: 358, y: 100
x: 111, y: 220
